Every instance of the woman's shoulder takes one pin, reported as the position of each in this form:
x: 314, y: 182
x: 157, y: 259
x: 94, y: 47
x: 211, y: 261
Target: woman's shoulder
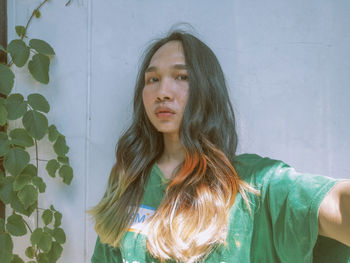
x: 253, y: 166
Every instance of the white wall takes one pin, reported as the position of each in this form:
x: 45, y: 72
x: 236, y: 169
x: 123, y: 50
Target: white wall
x: 286, y: 63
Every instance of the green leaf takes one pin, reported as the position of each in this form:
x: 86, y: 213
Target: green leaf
x: 20, y: 30
x: 4, y: 144
x: 16, y: 226
x: 59, y: 235
x: 6, y: 247
x: 16, y: 259
x: 3, y: 115
x: 66, y: 172
x: 38, y: 182
x: 37, y: 13
x: 41, y: 239
x: 28, y: 195
x: 15, y: 160
x: 36, y: 236
x: 6, y: 190
x: 60, y: 146
x: 30, y: 169
x: 30, y: 252
x: 35, y: 123
x: 19, y: 207
x: 51, y: 167
x: 21, y: 137
x: 55, y: 252
x: 20, y: 181
x: 48, y: 230
x: 19, y: 52
x: 47, y: 216
x: 43, y: 258
x: 2, y: 48
x: 38, y: 102
x: 39, y: 68
x: 16, y: 106
x: 53, y: 133
x: 63, y: 159
x: 2, y: 225
x: 6, y: 79
x: 58, y: 219
x: 41, y: 46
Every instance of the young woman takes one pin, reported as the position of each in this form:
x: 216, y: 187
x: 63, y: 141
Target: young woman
x: 178, y: 192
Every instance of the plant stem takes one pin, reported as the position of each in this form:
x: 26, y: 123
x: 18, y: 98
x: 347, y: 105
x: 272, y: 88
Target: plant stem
x: 37, y: 168
x: 68, y: 3
x: 33, y: 14
x: 28, y: 226
x: 27, y: 25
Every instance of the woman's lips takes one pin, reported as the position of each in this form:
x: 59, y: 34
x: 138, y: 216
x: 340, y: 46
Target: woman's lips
x: 164, y: 112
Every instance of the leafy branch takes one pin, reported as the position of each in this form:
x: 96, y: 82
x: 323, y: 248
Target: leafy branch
x: 21, y: 184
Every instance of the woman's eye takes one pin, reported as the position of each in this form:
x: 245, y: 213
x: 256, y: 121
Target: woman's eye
x: 152, y: 80
x: 182, y: 77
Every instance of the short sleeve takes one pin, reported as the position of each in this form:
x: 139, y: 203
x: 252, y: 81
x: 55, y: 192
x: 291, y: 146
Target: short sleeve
x: 293, y: 200
x: 104, y: 253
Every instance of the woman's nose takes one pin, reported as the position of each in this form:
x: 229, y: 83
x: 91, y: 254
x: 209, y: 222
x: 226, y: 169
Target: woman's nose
x: 165, y: 90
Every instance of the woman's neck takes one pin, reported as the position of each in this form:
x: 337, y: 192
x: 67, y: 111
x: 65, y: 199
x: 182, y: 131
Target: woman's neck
x: 173, y: 154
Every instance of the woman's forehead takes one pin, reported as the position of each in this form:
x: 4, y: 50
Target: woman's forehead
x: 171, y: 51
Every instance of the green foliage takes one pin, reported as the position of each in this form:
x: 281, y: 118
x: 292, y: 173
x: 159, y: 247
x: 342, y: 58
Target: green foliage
x: 6, y: 247
x: 21, y: 137
x: 42, y: 239
x: 60, y: 146
x: 66, y: 172
x: 38, y: 102
x: 20, y: 30
x: 16, y: 106
x: 47, y: 216
x: 37, y: 13
x: 51, y: 167
x: 16, y: 259
x: 22, y: 185
x: 6, y: 79
x: 28, y: 195
x: 15, y: 160
x: 16, y: 226
x: 19, y: 52
x: 41, y: 47
x: 30, y: 252
x: 53, y: 133
x: 35, y: 123
x: 39, y: 68
x: 3, y: 114
x: 2, y: 225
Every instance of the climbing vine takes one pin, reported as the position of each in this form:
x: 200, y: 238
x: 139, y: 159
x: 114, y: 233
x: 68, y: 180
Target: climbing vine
x: 20, y: 181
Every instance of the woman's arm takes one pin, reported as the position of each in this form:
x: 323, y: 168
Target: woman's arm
x: 334, y: 213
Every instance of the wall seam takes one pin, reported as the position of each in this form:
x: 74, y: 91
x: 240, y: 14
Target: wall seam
x: 88, y: 120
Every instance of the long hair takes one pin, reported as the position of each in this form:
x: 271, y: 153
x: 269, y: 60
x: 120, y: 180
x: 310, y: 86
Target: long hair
x: 193, y: 216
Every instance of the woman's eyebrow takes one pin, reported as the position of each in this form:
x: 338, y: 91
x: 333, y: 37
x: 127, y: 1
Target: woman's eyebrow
x: 175, y: 66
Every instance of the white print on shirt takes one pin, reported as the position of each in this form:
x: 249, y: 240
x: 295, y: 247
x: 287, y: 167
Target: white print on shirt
x: 125, y: 261
x: 141, y: 220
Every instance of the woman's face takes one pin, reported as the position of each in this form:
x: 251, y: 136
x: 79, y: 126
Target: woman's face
x: 166, y: 88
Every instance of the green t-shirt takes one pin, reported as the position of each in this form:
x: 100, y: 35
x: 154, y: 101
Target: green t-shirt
x: 283, y: 225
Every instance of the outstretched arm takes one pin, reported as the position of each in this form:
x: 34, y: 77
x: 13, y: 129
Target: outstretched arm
x: 334, y: 213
